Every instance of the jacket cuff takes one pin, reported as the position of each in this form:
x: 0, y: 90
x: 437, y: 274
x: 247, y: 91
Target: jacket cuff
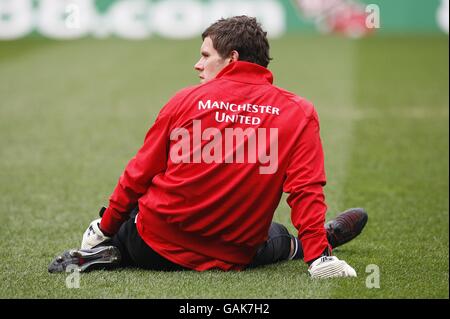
x: 314, y: 246
x: 111, y: 221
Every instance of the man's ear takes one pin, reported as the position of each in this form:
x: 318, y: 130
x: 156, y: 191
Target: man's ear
x: 234, y: 56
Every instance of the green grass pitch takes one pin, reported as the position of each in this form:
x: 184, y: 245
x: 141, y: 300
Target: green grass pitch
x: 73, y: 113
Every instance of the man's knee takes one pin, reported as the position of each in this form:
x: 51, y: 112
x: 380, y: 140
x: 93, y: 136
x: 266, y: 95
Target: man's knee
x: 277, y: 229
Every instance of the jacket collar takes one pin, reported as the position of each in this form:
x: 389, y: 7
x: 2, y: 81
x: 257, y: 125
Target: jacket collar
x: 246, y: 72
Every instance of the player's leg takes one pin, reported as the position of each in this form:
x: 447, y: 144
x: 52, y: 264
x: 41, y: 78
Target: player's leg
x: 125, y: 249
x: 142, y: 255
x: 107, y: 255
x: 281, y: 245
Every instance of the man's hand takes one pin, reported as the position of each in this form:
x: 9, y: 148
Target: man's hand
x: 93, y: 236
x: 330, y: 266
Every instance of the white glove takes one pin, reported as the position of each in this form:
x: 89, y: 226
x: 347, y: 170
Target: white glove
x: 330, y: 266
x: 93, y: 235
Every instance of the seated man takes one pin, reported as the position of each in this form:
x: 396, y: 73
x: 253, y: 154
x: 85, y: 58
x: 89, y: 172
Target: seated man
x: 201, y: 192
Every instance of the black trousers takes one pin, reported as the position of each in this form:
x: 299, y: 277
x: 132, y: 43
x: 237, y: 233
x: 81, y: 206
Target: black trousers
x: 136, y: 253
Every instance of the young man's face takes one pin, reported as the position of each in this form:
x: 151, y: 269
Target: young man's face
x: 210, y: 62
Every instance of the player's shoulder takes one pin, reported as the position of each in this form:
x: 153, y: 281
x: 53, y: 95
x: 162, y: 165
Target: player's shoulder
x: 180, y: 98
x: 190, y: 92
x: 297, y: 101
x: 184, y: 92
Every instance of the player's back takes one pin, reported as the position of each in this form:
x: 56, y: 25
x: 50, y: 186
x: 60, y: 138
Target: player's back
x: 230, y: 145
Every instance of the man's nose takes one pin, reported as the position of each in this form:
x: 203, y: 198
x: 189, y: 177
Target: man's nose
x: 199, y: 65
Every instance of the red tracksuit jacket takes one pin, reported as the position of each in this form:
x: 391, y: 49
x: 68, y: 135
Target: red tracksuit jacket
x: 213, y: 167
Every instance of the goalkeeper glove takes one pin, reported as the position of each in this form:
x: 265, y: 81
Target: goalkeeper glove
x: 330, y: 266
x: 93, y: 236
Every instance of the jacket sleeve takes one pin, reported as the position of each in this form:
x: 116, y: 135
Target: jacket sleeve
x: 305, y: 178
x: 150, y: 160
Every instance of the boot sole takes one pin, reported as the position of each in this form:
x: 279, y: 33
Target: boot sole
x: 85, y: 259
